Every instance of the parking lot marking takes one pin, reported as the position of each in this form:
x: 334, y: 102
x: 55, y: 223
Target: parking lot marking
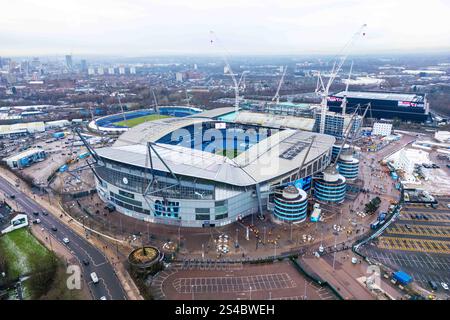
x: 420, y: 230
x: 409, y: 244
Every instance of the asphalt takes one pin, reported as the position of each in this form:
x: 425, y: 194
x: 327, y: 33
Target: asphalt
x: 109, y: 284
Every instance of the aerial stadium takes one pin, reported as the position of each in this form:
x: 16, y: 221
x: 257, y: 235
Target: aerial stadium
x: 121, y: 122
x: 200, y: 171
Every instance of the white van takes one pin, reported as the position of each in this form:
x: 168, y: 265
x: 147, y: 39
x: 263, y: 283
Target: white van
x: 94, y: 277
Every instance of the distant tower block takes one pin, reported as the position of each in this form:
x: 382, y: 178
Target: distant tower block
x: 348, y: 166
x: 331, y: 187
x: 291, y: 205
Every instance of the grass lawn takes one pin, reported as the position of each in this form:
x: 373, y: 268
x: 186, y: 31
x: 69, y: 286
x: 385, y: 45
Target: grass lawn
x: 23, y: 252
x: 231, y: 154
x: 134, y: 122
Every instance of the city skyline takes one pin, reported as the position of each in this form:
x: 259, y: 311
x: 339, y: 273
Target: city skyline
x: 135, y: 28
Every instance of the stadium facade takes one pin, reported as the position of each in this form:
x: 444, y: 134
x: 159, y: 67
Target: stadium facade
x: 384, y: 105
x: 199, y: 171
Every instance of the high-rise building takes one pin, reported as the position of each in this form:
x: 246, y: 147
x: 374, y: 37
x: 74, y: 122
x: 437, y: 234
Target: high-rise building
x: 179, y: 76
x: 111, y: 70
x: 83, y: 65
x: 69, y: 63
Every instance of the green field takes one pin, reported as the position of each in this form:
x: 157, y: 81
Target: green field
x: 23, y: 253
x: 231, y: 154
x: 134, y: 122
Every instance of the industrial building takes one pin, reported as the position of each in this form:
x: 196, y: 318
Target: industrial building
x: 199, y: 171
x: 25, y: 158
x: 383, y: 105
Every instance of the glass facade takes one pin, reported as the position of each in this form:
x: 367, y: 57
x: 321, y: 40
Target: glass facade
x: 290, y: 210
x: 330, y: 191
x: 349, y: 169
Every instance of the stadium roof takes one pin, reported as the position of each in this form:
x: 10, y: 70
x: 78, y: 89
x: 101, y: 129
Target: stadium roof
x: 275, y: 156
x: 412, y: 97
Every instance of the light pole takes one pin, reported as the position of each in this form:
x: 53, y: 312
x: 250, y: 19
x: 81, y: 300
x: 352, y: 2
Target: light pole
x: 192, y: 290
x: 250, y: 293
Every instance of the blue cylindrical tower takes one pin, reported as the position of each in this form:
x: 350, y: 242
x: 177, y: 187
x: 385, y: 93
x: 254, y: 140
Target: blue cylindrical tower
x: 347, y: 165
x: 290, y: 205
x: 331, y: 187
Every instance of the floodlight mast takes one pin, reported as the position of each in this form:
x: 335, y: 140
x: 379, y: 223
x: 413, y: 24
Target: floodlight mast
x: 324, y: 90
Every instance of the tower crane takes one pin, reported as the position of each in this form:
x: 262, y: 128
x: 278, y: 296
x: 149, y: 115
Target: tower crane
x: 344, y: 100
x: 155, y: 101
x: 323, y: 90
x: 276, y: 97
x: 229, y: 71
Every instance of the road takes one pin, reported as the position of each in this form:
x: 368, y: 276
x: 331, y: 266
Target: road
x: 109, y: 284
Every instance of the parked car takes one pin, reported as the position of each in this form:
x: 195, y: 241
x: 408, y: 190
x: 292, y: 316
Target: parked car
x: 45, y: 213
x: 433, y: 285
x: 444, y: 285
x: 86, y: 262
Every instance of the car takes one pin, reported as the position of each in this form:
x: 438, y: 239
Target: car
x: 36, y: 221
x: 418, y: 217
x: 448, y: 205
x: 54, y: 228
x: 94, y: 278
x: 85, y: 262
x: 408, y: 226
x: 433, y: 285
x: 103, y: 298
x: 444, y: 285
x: 66, y: 240
x: 12, y: 196
x: 45, y: 213
x: 425, y: 217
x: 35, y: 213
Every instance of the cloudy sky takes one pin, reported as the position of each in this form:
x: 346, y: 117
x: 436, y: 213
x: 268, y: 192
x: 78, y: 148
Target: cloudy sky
x: 146, y: 27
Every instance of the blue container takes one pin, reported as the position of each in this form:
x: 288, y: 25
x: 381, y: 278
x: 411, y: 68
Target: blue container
x: 402, y: 277
x: 58, y: 135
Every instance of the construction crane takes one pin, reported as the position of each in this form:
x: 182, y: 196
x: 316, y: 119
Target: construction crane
x: 155, y: 101
x: 241, y: 82
x: 344, y: 100
x: 276, y: 97
x: 346, y: 134
x: 322, y: 89
x: 229, y: 71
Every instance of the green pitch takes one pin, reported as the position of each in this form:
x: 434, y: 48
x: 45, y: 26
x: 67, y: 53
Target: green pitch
x: 134, y: 122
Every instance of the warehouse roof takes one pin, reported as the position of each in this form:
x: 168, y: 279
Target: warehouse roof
x: 395, y: 96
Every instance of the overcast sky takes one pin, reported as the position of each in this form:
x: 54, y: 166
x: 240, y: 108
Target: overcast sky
x: 147, y: 27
